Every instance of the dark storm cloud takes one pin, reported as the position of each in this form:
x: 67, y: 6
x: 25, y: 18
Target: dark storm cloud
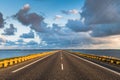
x: 28, y: 35
x: 101, y: 11
x: 103, y: 16
x: 103, y: 30
x: 10, y: 31
x: 32, y: 19
x: 1, y: 20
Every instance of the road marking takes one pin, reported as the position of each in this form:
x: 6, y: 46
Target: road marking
x: 61, y: 63
x: 61, y: 56
x: 96, y: 64
x: 62, y: 67
x: 30, y: 64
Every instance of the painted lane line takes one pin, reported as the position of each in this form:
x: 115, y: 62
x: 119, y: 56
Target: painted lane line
x: 30, y: 64
x: 62, y: 68
x: 96, y: 64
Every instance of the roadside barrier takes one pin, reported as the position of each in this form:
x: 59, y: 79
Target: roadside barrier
x: 107, y: 59
x: 15, y: 60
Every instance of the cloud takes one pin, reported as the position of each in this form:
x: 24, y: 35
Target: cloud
x: 10, y: 31
x: 9, y: 43
x: 103, y: 30
x: 21, y: 44
x: 2, y: 39
x: 57, y: 17
x: 63, y: 37
x: 101, y: 11
x: 29, y: 19
x: 77, y: 26
x: 109, y: 42
x: 103, y: 16
x: 20, y: 41
x: 74, y: 11
x: 1, y: 20
x: 67, y: 12
x: 28, y: 35
x: 73, y: 41
x: 32, y: 43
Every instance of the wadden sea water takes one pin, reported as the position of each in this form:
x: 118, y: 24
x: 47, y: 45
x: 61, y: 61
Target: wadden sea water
x: 113, y: 53
x: 15, y: 53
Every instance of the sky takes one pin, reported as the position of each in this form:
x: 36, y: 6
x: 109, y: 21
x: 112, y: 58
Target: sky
x: 59, y: 24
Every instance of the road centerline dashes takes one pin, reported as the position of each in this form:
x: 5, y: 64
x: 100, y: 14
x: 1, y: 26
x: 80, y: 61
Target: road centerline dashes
x: 62, y: 68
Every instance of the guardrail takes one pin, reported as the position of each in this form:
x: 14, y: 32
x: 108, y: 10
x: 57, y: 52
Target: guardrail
x: 15, y: 60
x: 107, y: 59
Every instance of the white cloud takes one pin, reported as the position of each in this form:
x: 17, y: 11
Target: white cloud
x: 2, y: 39
x: 72, y: 11
x: 57, y: 17
x: 26, y: 7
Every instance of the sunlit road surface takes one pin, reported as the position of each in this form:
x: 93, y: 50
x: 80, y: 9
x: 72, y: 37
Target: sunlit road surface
x: 59, y: 66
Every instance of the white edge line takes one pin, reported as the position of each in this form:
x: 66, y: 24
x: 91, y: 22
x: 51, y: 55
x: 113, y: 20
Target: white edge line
x: 96, y: 64
x: 30, y: 64
x: 62, y: 67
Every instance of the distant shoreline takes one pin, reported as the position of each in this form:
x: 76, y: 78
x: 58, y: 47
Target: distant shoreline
x: 59, y: 49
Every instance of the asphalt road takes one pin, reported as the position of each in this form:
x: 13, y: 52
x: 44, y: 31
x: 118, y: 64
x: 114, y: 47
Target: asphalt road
x: 59, y: 66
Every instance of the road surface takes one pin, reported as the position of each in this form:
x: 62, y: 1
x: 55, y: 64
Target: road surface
x: 59, y: 66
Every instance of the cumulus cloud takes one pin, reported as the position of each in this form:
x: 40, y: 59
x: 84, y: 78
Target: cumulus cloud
x: 32, y: 19
x: 10, y: 31
x: 57, y: 17
x: 71, y: 41
x: 77, y: 26
x: 67, y: 12
x: 10, y: 43
x: 20, y: 41
x: 1, y: 20
x: 103, y: 16
x: 28, y: 35
x: 2, y: 40
x: 63, y: 37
